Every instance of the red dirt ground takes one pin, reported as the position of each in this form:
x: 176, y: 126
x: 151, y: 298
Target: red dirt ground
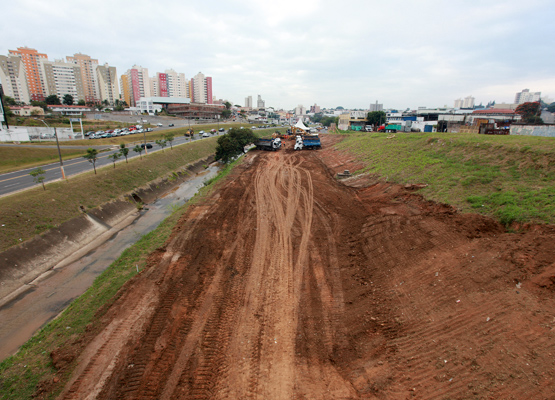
x: 290, y: 284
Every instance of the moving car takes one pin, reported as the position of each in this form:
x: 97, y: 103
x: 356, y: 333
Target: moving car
x: 170, y: 125
x: 159, y: 125
x: 205, y: 134
x: 148, y: 145
x: 221, y: 130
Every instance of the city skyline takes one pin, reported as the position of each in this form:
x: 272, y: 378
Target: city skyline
x: 405, y: 54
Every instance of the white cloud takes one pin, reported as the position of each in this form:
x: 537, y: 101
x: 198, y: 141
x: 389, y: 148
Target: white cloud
x: 402, y: 53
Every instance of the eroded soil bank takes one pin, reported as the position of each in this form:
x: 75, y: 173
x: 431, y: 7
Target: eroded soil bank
x: 289, y: 284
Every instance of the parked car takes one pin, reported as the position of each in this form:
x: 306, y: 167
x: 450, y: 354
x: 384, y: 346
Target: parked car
x: 89, y: 133
x: 148, y: 145
x: 148, y: 130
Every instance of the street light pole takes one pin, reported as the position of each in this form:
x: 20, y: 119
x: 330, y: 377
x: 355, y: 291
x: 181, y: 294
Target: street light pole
x: 58, y: 145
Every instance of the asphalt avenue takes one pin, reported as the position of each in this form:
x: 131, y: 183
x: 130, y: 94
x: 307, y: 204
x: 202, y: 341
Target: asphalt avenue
x: 21, y: 180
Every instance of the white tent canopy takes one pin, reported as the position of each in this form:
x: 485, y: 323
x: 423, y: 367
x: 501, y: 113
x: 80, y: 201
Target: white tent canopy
x: 300, y: 125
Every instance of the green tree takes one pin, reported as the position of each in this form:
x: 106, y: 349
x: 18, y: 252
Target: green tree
x: 38, y: 177
x: 138, y: 149
x: 530, y: 112
x: 99, y: 107
x: 161, y: 143
x: 124, y: 151
x: 52, y: 100
x: 169, y: 137
x: 68, y: 100
x: 227, y: 105
x: 376, y: 118
x: 551, y: 108
x: 233, y: 143
x: 114, y: 157
x: 105, y: 102
x: 40, y: 104
x: 226, y: 114
x: 92, y: 156
x: 81, y: 103
x: 327, y: 121
x: 9, y: 101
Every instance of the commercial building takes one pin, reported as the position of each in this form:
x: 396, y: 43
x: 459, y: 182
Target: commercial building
x: 196, y: 110
x: 32, y: 60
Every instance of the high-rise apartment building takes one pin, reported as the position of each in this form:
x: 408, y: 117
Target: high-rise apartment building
x: 136, y: 85
x: 32, y: 60
x: 260, y: 103
x: 107, y: 79
x: 315, y: 109
x: 376, y: 107
x: 88, y: 75
x: 177, y: 84
x: 61, y: 78
x: 525, y: 96
x: 201, y: 89
x: 248, y: 102
x: 12, y: 78
x: 300, y: 110
x: 159, y: 85
x: 468, y: 102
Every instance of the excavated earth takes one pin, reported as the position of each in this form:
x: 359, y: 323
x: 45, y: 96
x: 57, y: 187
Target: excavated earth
x: 290, y: 284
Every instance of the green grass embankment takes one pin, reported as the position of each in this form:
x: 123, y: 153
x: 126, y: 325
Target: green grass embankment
x: 20, y: 373
x: 25, y: 214
x: 16, y: 158
x: 507, y: 177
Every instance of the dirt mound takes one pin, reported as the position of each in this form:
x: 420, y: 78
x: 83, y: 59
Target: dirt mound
x: 289, y: 284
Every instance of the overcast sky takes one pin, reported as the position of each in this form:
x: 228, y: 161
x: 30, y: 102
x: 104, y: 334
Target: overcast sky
x: 402, y: 53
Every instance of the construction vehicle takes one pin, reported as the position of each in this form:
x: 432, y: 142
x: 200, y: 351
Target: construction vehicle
x: 272, y: 144
x: 309, y: 142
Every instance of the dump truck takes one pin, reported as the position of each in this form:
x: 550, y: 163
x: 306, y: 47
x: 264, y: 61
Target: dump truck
x: 272, y: 144
x: 308, y: 142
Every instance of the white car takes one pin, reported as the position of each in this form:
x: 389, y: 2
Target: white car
x: 205, y: 134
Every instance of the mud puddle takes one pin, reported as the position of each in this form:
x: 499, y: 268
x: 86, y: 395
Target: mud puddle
x: 51, y: 294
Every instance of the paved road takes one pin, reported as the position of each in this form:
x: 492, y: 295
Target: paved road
x: 20, y: 180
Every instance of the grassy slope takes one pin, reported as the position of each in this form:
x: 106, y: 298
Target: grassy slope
x: 28, y: 213
x: 17, y: 158
x: 20, y: 374
x: 507, y: 177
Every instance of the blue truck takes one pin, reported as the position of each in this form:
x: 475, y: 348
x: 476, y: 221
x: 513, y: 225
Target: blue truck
x: 309, y: 142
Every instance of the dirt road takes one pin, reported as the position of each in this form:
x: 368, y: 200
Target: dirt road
x: 288, y: 284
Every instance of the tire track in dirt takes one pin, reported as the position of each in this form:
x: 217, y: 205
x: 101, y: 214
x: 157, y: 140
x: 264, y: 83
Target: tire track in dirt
x: 264, y: 344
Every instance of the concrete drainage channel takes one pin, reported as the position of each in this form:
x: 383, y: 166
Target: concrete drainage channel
x: 44, y: 291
